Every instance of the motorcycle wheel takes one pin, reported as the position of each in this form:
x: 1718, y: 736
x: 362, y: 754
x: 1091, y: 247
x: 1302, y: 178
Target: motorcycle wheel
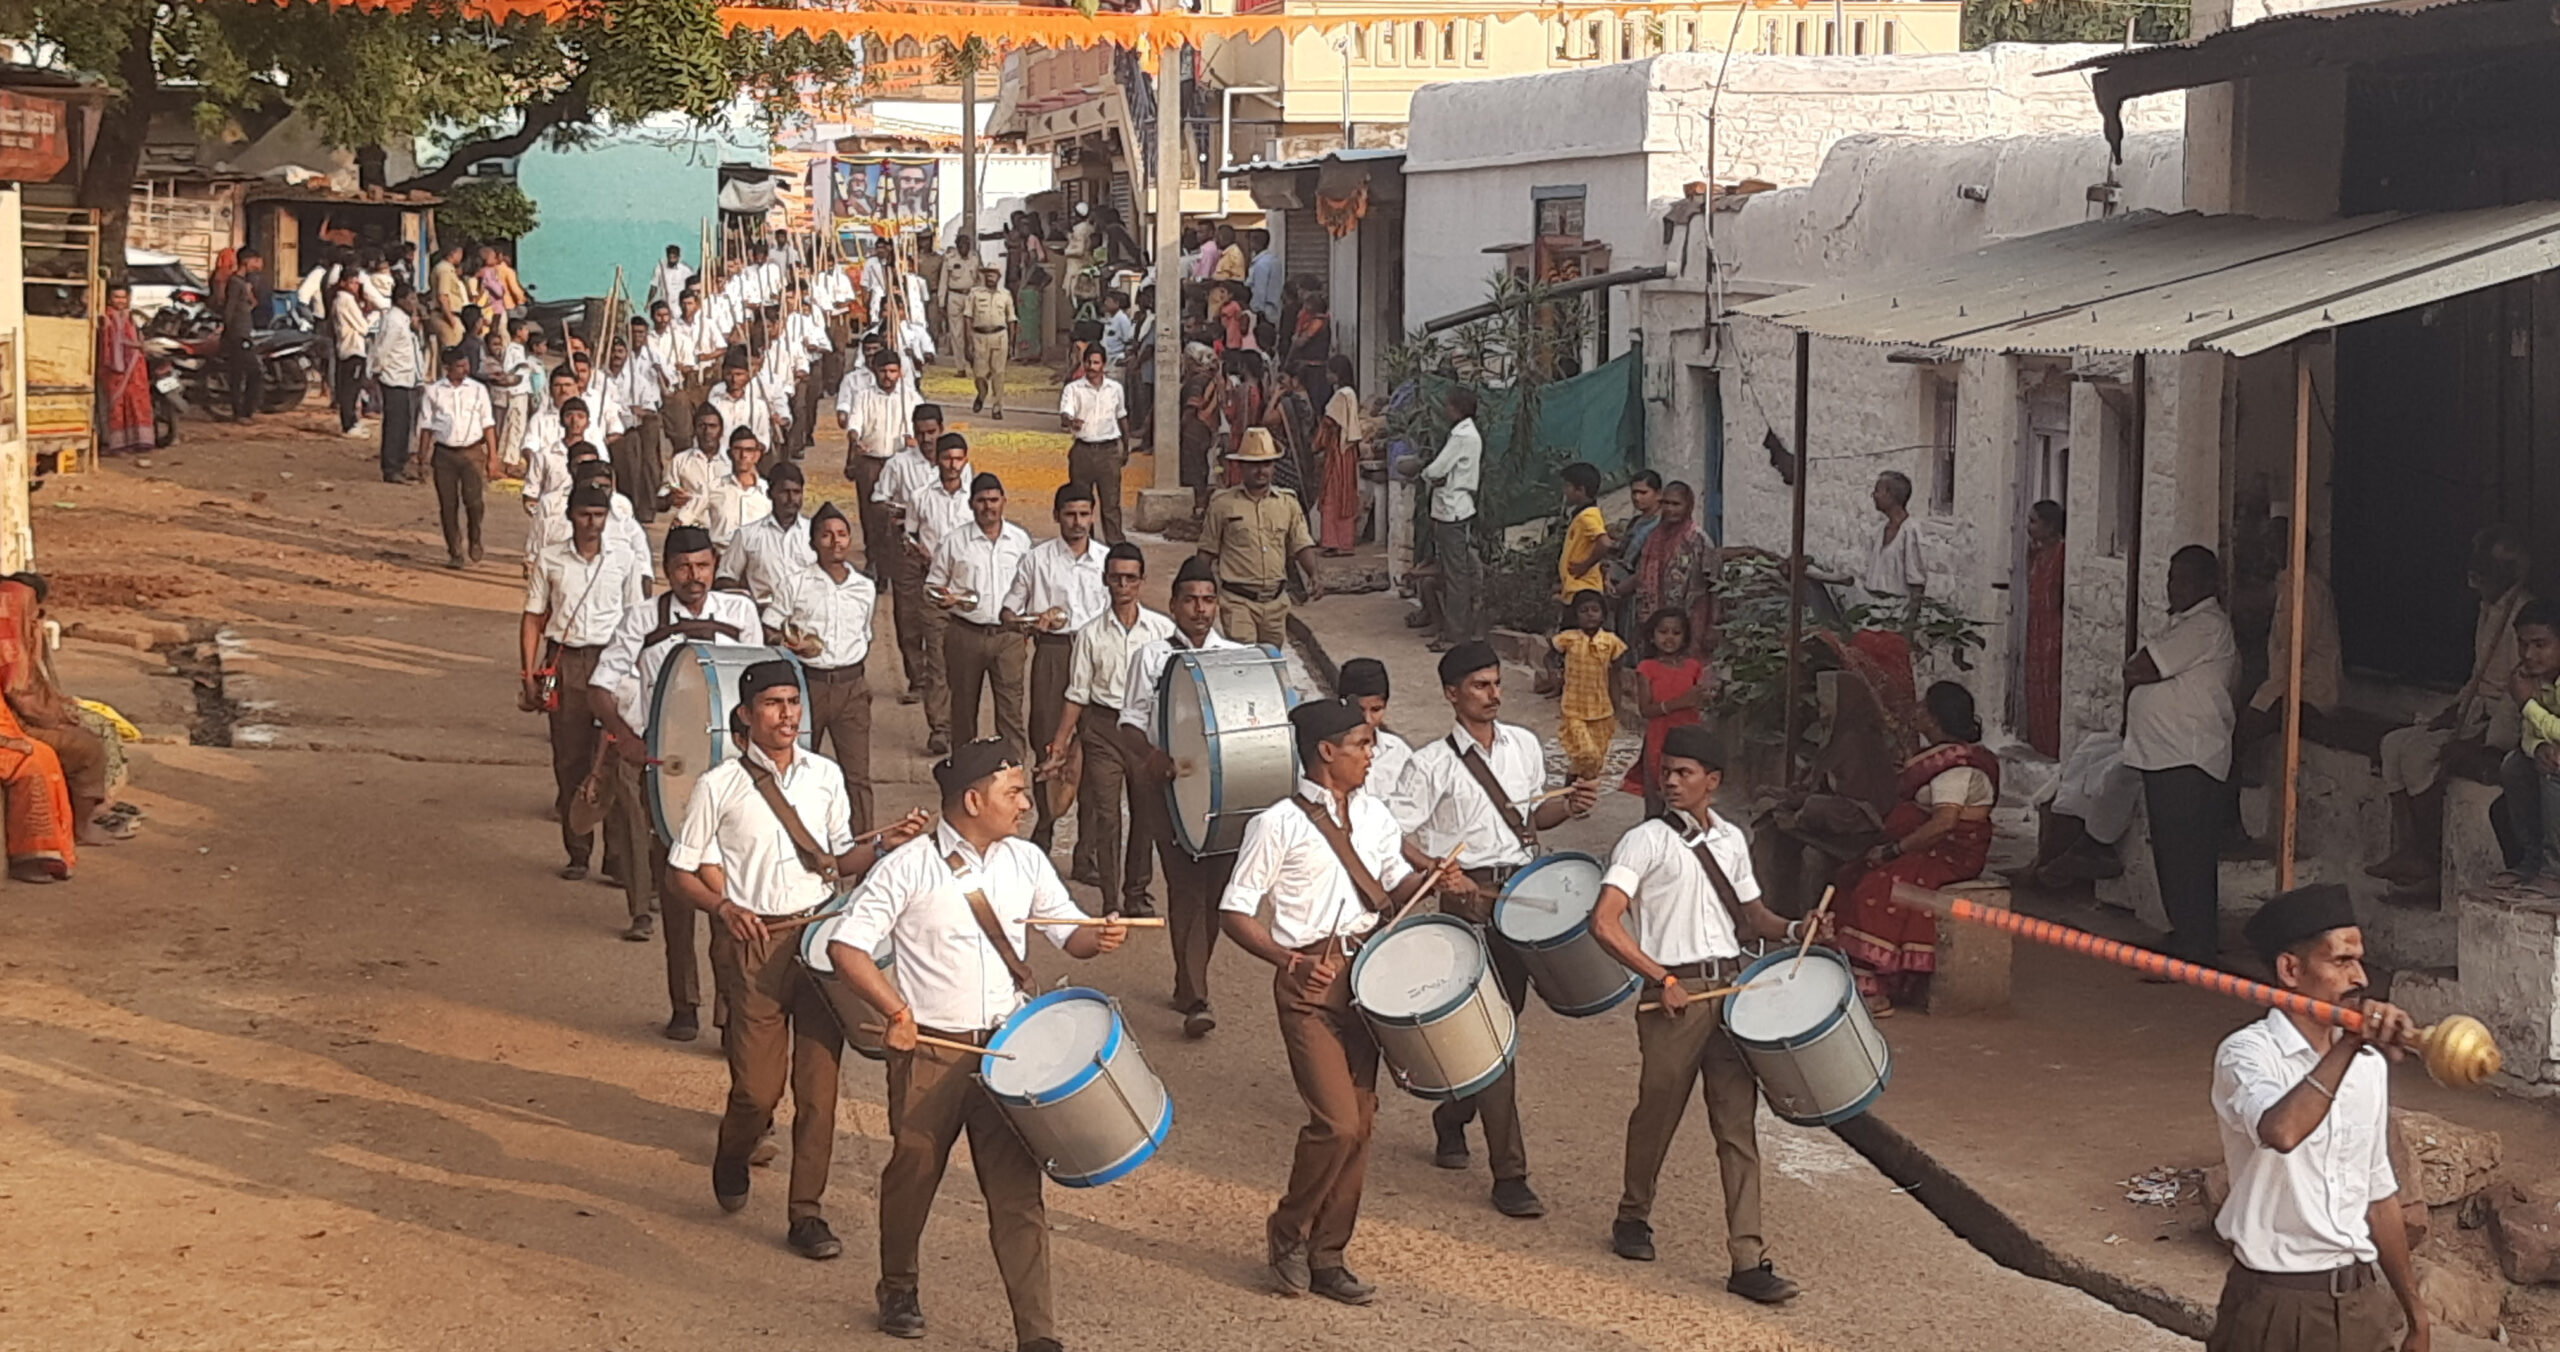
x: 164, y: 421
x: 288, y: 384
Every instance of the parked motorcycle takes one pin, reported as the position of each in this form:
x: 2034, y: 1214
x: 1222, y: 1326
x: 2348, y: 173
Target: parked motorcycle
x: 189, y: 338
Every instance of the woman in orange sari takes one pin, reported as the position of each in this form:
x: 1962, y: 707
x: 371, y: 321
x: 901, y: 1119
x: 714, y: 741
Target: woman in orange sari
x: 1338, y: 437
x: 1938, y: 832
x: 52, y: 769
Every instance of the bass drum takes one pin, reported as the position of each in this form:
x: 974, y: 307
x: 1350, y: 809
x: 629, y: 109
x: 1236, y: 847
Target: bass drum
x: 852, y: 1013
x: 689, y: 721
x: 1223, y: 717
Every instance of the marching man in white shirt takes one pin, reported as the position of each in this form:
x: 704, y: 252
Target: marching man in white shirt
x: 823, y: 613
x: 935, y: 509
x: 741, y: 399
x: 458, y: 439
x: 898, y: 567
x: 634, y: 380
x: 1058, y: 591
x: 1363, y: 681
x: 1475, y: 787
x: 874, y: 415
x: 1092, y: 408
x: 573, y: 603
x: 626, y: 678
x: 1097, y: 685
x: 768, y: 837
x: 958, y: 907
x: 1329, y: 861
x: 1677, y: 904
x: 702, y: 463
x: 2313, y: 1219
x: 1192, y: 884
x: 973, y: 571
x: 765, y: 555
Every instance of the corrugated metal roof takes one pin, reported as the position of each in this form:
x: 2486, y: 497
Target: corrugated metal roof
x: 2295, y: 19
x: 2153, y: 282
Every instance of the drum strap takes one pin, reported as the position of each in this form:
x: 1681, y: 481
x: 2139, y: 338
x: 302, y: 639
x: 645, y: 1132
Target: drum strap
x: 812, y: 858
x: 1373, y: 894
x: 989, y: 926
x: 1493, y: 790
x: 1716, y: 878
x: 669, y: 626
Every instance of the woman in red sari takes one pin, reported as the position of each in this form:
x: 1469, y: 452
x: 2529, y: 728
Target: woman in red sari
x: 1338, y: 437
x: 124, y: 378
x: 1677, y: 570
x: 1940, y: 832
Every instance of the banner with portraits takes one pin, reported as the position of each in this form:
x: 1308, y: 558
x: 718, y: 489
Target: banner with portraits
x: 883, y: 196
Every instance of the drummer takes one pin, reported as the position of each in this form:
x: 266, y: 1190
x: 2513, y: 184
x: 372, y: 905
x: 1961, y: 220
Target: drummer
x: 824, y: 615
x: 1676, y: 905
x: 1474, y: 788
x: 1328, y: 860
x: 1363, y: 681
x: 749, y: 857
x: 957, y: 908
x: 620, y: 692
x: 1192, y: 884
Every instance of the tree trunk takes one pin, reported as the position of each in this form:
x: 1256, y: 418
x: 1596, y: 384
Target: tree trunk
x: 372, y: 166
x: 115, y: 157
x: 567, y: 108
x: 969, y: 159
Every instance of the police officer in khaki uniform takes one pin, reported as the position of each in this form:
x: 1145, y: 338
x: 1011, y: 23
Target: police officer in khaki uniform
x: 1249, y: 536
x: 991, y: 330
x: 954, y: 278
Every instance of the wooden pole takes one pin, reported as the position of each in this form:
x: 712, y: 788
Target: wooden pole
x: 1796, y: 561
x: 969, y: 166
x: 2137, y: 469
x: 2298, y: 555
x: 1167, y: 179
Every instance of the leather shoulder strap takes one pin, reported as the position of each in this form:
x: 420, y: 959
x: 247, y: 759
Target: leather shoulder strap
x: 1716, y: 877
x: 1373, y: 894
x: 993, y: 929
x: 1494, y: 793
x: 812, y: 856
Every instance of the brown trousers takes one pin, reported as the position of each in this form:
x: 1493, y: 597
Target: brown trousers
x: 1098, y: 463
x: 932, y: 623
x: 2256, y: 1317
x: 1105, y: 834
x: 919, y: 637
x: 1498, y: 1102
x: 977, y: 657
x: 575, y: 736
x: 640, y: 465
x: 1676, y: 1052
x: 1335, y: 1064
x: 1192, y: 888
x: 642, y: 886
x: 840, y: 725
x: 882, y: 544
x: 780, y: 1031
x: 1052, y: 661
x: 933, y: 1098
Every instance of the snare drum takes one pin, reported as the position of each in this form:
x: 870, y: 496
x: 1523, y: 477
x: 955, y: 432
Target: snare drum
x: 1222, y: 715
x: 853, y: 1014
x: 1426, y: 988
x: 1545, y: 912
x: 1076, y: 1088
x: 1808, y: 1038
x: 689, y: 721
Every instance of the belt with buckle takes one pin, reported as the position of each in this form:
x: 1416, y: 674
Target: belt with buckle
x: 1251, y: 593
x: 823, y: 675
x: 1000, y: 328
x: 1493, y: 876
x: 1713, y: 969
x: 2337, y: 1281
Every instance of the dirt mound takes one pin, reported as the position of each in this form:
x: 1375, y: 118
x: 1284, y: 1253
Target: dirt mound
x: 130, y: 591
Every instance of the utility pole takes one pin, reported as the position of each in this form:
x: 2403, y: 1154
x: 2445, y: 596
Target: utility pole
x: 1169, y: 261
x: 969, y: 158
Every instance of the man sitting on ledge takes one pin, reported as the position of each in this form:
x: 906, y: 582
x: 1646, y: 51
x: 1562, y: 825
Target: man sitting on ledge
x: 2472, y: 734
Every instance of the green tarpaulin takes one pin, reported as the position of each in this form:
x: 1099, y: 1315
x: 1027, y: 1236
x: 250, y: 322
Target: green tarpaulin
x: 1597, y: 416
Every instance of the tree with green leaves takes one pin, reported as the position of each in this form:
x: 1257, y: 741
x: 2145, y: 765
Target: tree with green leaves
x: 1990, y: 21
x: 368, y: 78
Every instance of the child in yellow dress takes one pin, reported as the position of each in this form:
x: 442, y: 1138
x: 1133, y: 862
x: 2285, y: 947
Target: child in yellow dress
x: 1591, y: 652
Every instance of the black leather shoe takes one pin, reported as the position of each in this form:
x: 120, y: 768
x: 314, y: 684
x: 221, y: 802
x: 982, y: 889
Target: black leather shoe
x: 729, y: 1184
x: 1137, y: 909
x: 810, y: 1238
x: 683, y: 1026
x: 1449, y: 1150
x: 1514, y: 1198
x: 900, y: 1316
x: 1632, y: 1240
x: 1042, y: 1345
x: 1199, y: 1023
x: 1762, y: 1284
x: 573, y: 873
x: 1338, y: 1284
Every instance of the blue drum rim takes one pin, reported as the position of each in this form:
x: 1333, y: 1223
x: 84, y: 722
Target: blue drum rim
x: 1155, y: 1142
x: 1091, y: 1071
x: 1602, y: 1007
x: 1580, y: 927
x: 1208, y: 733
x: 1803, y: 1039
x: 1839, y: 1115
x: 1510, y: 1053
x: 828, y: 909
x: 1484, y: 961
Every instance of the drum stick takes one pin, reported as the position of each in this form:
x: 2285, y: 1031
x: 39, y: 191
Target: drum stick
x: 1133, y: 922
x: 1812, y: 923
x: 1719, y: 992
x: 929, y: 1040
x: 1438, y: 871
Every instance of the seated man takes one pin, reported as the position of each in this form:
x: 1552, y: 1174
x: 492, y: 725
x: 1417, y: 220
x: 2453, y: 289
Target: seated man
x: 2472, y: 734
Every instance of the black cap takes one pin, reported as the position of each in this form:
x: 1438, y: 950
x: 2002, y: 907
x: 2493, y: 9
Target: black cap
x: 985, y: 483
x: 826, y: 510
x: 785, y: 472
x: 590, y: 495
x: 766, y: 675
x: 1361, y: 676
x: 1466, y: 660
x: 1322, y: 720
x: 735, y: 357
x: 1195, y: 569
x: 971, y: 765
x: 923, y: 411
x: 1691, y: 742
x: 2288, y: 918
x: 684, y: 540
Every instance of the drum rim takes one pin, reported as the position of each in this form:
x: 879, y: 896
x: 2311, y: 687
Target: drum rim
x: 1617, y: 998
x: 1155, y: 1142
x: 719, y: 734
x: 1580, y: 927
x: 1377, y: 941
x: 1187, y: 660
x: 1842, y: 1114
x: 1088, y: 1074
x: 1798, y: 1040
x: 1510, y: 1055
x: 885, y: 959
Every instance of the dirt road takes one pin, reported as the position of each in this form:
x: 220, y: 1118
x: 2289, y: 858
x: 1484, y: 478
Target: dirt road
x: 330, y: 1059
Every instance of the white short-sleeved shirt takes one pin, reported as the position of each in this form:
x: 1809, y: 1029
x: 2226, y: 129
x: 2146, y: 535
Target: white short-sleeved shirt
x: 1454, y: 805
x: 630, y: 670
x: 2184, y: 718
x: 728, y: 824
x: 1895, y: 566
x: 1098, y: 673
x: 1390, y: 776
x: 767, y: 553
x: 1146, y: 670
x: 1286, y: 861
x: 456, y: 415
x: 1674, y: 913
x: 585, y: 597
x: 968, y: 560
x: 918, y: 899
x: 1097, y: 409
x: 1053, y: 575
x: 902, y: 474
x: 2301, y: 1211
x: 693, y: 472
x: 734, y: 505
x: 553, y: 531
x: 1452, y: 473
x: 752, y: 410
x: 838, y: 614
x: 879, y: 421
x: 935, y: 512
